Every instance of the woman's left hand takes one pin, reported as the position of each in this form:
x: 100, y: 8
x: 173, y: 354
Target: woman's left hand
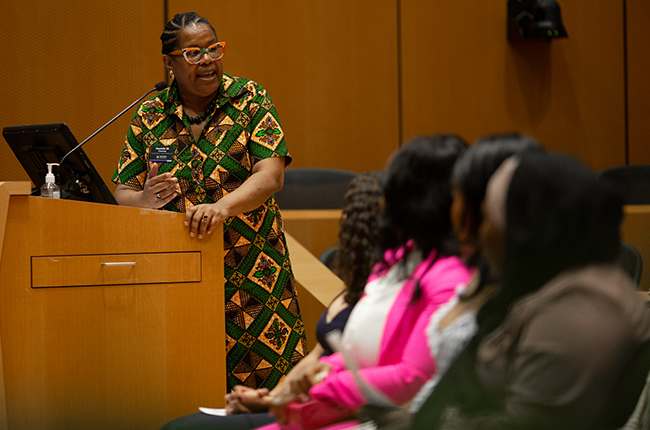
x: 266, y: 179
x: 202, y: 219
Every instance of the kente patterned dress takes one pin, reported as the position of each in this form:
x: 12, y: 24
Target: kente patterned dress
x: 264, y: 329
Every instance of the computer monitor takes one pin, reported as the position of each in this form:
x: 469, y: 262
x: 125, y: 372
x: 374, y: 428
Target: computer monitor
x: 38, y: 144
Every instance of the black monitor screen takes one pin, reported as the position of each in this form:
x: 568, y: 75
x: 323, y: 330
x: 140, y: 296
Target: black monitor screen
x: 38, y: 144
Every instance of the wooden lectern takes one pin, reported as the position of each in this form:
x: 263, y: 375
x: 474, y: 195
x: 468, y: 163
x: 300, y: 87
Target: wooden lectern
x: 110, y: 317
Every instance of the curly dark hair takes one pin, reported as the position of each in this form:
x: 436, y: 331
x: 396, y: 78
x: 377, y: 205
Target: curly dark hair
x: 359, y: 234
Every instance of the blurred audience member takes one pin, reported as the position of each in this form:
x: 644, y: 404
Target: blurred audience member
x: 558, y: 338
x: 385, y: 334
x: 454, y: 324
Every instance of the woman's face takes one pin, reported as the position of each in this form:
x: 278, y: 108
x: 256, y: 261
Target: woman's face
x: 492, y: 232
x: 461, y: 222
x: 200, y: 80
x: 492, y: 239
x: 459, y: 214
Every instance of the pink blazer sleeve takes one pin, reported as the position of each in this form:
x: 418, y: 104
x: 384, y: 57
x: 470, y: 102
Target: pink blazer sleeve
x: 335, y: 360
x: 405, y: 362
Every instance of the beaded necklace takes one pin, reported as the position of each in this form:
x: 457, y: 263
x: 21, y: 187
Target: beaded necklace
x: 200, y: 118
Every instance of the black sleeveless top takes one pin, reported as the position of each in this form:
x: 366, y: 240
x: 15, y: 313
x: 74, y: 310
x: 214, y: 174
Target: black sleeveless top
x: 337, y: 323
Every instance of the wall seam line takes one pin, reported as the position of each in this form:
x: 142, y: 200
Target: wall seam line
x: 625, y: 87
x: 400, y: 114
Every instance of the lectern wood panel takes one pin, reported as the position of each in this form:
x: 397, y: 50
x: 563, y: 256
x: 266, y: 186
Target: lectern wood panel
x: 107, y: 356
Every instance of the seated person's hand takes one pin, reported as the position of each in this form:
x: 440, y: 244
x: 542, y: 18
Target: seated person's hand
x: 299, y: 387
x: 279, y: 406
x: 315, y: 375
x: 245, y: 400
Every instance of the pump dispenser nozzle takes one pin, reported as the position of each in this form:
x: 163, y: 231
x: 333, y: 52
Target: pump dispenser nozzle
x: 50, y: 188
x: 50, y: 176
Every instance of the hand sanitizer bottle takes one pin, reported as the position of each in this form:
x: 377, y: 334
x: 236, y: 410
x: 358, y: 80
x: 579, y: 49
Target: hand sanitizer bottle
x: 50, y: 188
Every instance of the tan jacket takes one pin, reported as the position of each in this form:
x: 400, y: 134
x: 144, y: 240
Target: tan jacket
x: 560, y: 351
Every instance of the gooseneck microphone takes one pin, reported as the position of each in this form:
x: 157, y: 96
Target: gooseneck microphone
x: 158, y: 87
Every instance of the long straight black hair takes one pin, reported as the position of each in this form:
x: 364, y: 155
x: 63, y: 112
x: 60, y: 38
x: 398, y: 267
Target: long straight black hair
x: 559, y: 216
x: 417, y: 199
x: 475, y: 166
x: 417, y: 194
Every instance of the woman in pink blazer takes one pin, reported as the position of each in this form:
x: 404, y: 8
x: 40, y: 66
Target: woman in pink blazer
x: 385, y: 334
x: 404, y: 362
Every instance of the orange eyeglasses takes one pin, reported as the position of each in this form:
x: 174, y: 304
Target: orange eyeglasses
x: 195, y: 55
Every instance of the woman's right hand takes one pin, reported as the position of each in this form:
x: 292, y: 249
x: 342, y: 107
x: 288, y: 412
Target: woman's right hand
x: 313, y: 376
x: 159, y: 189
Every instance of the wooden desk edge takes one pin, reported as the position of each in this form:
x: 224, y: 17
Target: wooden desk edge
x: 7, y: 189
x: 636, y: 209
x: 312, y: 274
x: 304, y: 214
x: 22, y: 188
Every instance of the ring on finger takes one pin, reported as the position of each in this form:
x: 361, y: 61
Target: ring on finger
x: 158, y: 197
x: 205, y: 218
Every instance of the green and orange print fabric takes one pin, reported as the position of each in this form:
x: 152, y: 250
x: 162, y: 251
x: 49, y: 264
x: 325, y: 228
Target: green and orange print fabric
x: 264, y: 329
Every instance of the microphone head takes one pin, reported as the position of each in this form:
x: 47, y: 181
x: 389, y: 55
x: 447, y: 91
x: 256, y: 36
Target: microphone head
x: 160, y: 86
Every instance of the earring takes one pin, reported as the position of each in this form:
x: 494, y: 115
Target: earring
x: 171, y: 75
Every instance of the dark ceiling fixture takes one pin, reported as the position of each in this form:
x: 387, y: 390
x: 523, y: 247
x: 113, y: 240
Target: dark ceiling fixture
x: 534, y: 19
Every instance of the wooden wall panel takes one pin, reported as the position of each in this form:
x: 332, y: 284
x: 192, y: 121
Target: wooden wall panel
x: 460, y: 74
x: 329, y: 65
x: 80, y: 63
x: 332, y: 70
x: 638, y: 70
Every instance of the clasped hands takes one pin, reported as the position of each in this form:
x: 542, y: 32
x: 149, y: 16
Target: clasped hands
x: 248, y: 400
x: 162, y: 189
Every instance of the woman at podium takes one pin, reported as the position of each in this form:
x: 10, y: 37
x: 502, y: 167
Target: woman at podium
x: 211, y: 146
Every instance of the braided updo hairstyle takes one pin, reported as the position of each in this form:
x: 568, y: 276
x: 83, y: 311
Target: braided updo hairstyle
x: 179, y: 22
x: 359, y: 234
